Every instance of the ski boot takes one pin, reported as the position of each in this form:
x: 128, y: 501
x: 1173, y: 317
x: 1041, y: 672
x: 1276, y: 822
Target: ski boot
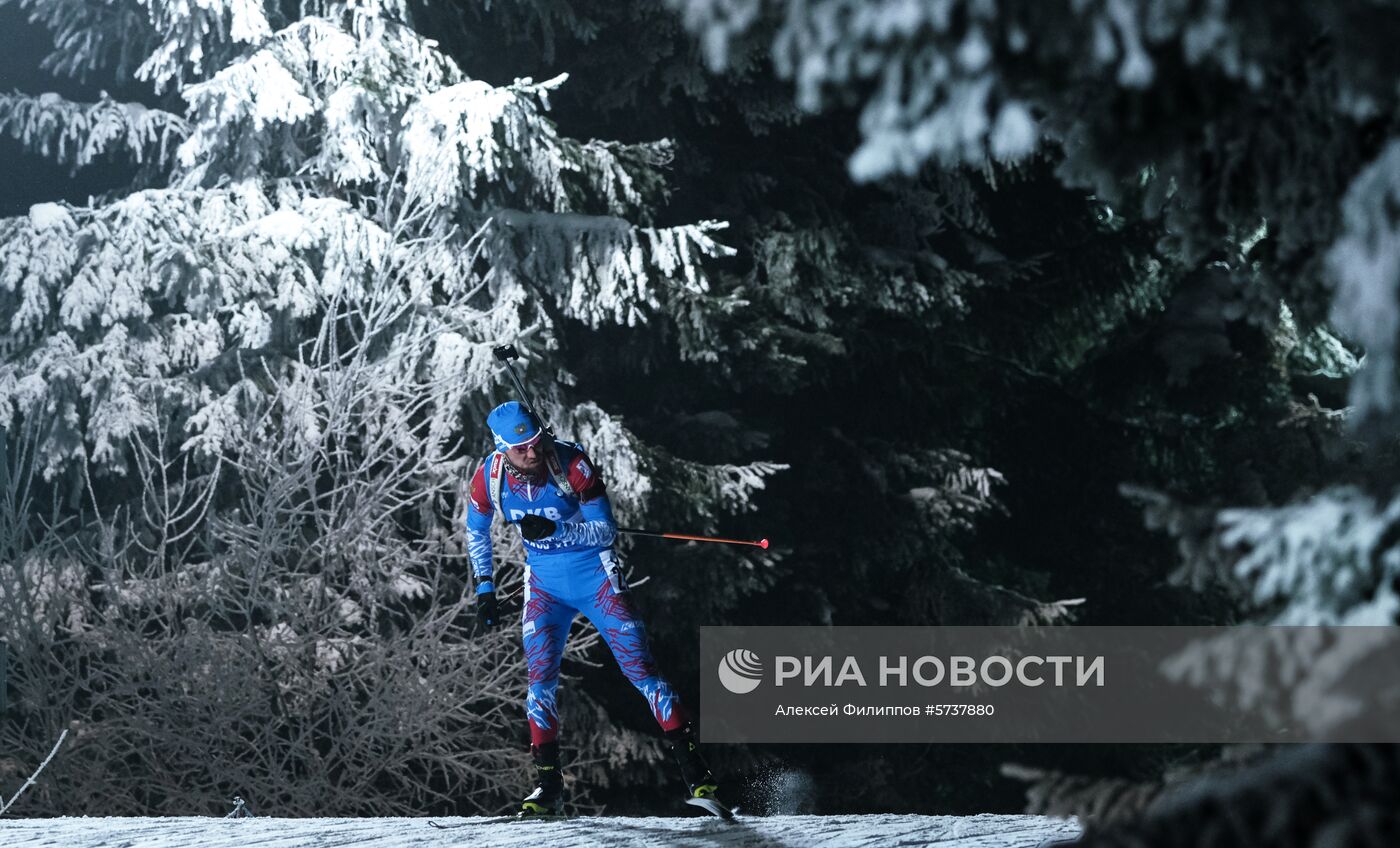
x: 548, y: 797
x: 702, y: 790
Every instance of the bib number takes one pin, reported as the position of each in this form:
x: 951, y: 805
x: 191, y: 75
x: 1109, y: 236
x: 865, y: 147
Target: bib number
x: 613, y: 569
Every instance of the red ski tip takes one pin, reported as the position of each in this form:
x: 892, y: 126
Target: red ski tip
x: 763, y: 543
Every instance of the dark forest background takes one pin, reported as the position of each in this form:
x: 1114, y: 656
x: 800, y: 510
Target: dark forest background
x: 979, y: 374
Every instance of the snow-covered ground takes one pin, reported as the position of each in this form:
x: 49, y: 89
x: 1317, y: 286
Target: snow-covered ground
x: 985, y: 831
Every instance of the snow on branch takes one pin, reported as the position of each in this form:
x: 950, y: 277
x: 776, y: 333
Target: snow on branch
x: 78, y: 133
x: 382, y: 99
x: 934, y: 91
x: 938, y: 79
x: 88, y: 37
x: 467, y: 138
x: 352, y: 87
x: 172, y: 288
x: 600, y: 269
x: 1326, y: 560
x: 697, y: 492
x: 1329, y: 559
x: 190, y: 35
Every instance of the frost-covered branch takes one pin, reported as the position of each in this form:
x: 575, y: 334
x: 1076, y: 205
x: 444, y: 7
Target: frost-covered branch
x: 4, y: 807
x: 78, y: 133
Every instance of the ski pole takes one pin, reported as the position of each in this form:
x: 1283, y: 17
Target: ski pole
x: 761, y: 543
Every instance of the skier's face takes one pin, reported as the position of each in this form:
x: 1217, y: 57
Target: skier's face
x: 527, y: 458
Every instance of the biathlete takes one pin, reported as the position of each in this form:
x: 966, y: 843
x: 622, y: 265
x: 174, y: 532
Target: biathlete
x: 554, y: 494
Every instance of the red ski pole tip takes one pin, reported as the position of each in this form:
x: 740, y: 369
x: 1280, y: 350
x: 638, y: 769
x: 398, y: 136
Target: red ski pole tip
x: 763, y: 543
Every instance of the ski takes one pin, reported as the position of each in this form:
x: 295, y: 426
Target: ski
x: 507, y: 819
x: 713, y: 807
x: 549, y: 817
x: 708, y: 805
x: 472, y: 822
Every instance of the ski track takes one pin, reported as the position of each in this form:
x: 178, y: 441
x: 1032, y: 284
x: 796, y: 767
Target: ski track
x: 867, y: 831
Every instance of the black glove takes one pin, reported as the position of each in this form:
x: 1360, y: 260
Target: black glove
x: 487, y: 616
x: 536, y: 527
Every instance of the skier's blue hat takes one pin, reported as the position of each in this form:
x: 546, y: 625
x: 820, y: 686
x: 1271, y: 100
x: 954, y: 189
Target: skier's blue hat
x: 512, y: 425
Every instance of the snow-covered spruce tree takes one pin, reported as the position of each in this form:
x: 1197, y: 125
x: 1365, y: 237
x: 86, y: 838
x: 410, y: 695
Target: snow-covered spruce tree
x: 245, y: 387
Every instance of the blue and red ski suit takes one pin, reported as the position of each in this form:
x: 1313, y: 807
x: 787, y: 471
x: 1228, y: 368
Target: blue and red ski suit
x: 572, y: 571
